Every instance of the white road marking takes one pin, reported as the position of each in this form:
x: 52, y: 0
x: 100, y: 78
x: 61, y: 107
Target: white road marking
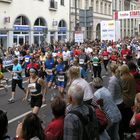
x: 22, y: 115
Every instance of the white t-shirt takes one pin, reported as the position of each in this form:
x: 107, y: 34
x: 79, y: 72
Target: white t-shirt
x: 88, y: 94
x: 88, y: 50
x: 66, y: 55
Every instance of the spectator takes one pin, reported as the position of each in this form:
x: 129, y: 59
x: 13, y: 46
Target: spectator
x: 54, y: 131
x: 30, y: 128
x: 109, y: 107
x: 3, y: 126
x: 114, y: 85
x: 73, y: 128
x: 75, y: 79
x: 135, y: 121
x: 134, y: 71
x: 128, y: 94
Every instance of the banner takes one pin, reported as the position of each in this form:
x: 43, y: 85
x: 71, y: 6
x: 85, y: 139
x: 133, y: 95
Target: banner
x: 127, y: 14
x: 79, y: 37
x: 110, y: 30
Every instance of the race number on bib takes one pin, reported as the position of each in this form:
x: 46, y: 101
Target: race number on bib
x: 61, y: 78
x: 49, y: 72
x: 32, y: 87
x: 81, y: 61
x: 15, y: 76
x: 105, y: 58
x: 26, y: 59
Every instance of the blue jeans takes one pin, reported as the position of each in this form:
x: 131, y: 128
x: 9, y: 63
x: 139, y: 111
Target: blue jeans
x: 113, y: 131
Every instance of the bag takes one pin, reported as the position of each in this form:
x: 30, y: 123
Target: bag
x: 90, y: 125
x: 102, y: 119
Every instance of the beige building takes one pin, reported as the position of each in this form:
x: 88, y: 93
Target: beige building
x: 102, y: 10
x: 33, y: 21
x: 138, y: 7
x: 129, y: 27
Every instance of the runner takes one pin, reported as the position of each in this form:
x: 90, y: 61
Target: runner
x: 96, y: 62
x: 16, y: 79
x: 105, y: 55
x: 61, y: 77
x: 36, y: 87
x: 49, y: 68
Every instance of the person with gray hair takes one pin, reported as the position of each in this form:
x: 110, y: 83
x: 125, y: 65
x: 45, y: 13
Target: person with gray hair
x: 109, y: 107
x: 73, y: 128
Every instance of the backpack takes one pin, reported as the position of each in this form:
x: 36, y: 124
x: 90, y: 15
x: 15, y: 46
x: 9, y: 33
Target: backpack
x: 90, y: 125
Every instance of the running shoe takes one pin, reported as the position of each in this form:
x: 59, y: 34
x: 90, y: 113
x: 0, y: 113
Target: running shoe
x: 11, y: 100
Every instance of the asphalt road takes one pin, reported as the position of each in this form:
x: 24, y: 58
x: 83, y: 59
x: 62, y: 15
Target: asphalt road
x: 16, y: 111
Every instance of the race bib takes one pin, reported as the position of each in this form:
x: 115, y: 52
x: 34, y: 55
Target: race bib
x: 49, y: 72
x: 15, y: 76
x: 81, y: 61
x: 124, y: 56
x: 32, y: 87
x: 105, y: 58
x: 61, y: 78
x: 113, y: 61
x: 27, y: 60
x: 95, y: 64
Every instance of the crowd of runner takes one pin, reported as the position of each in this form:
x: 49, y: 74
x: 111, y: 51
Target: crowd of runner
x: 67, y: 67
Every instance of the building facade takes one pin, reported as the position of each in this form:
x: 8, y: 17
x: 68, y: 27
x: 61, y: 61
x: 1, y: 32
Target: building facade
x: 33, y: 21
x: 138, y: 7
x: 129, y: 27
x: 101, y: 10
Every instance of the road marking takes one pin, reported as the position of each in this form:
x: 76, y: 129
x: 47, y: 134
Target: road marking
x: 22, y: 115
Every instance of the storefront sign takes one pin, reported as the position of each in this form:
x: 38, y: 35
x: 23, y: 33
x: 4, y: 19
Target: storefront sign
x: 40, y: 28
x: 128, y: 14
x: 62, y: 29
x: 3, y: 35
x: 21, y: 27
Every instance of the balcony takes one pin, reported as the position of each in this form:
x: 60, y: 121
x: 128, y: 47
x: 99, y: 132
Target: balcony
x: 6, y: 1
x: 53, y: 5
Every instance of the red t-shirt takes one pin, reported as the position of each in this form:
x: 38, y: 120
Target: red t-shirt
x: 77, y: 52
x: 55, y: 129
x: 33, y: 65
x: 113, y: 57
x: 105, y: 55
x: 125, y: 52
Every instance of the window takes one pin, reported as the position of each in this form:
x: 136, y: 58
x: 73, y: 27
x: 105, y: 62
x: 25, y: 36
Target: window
x: 101, y: 7
x: 105, y: 9
x: 97, y: 6
x: 61, y: 2
x: 92, y: 3
x: 109, y: 9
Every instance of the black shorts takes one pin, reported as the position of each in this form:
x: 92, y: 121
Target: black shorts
x: 36, y: 101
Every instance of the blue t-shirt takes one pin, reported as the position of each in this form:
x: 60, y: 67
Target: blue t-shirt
x: 17, y: 68
x: 60, y: 68
x: 27, y: 59
x: 49, y: 64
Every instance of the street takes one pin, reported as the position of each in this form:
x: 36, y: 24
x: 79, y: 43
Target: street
x: 16, y: 111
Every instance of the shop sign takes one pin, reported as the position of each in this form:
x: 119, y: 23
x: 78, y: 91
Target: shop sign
x: 21, y: 27
x: 39, y: 28
x: 62, y: 29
